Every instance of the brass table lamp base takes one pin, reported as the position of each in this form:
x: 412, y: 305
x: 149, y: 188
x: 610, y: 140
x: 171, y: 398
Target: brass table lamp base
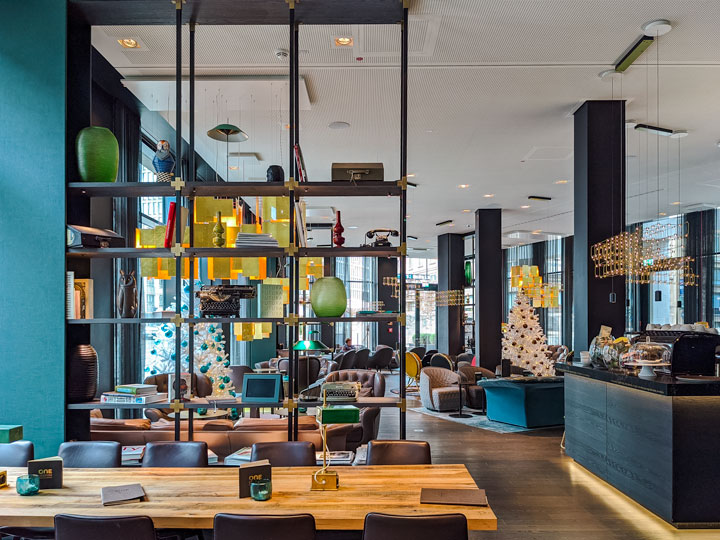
x: 325, y: 481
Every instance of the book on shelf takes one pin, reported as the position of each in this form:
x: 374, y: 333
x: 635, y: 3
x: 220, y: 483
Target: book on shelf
x: 137, y: 389
x: 132, y: 455
x: 69, y: 295
x: 144, y: 399
x: 252, y: 472
x: 239, y: 457
x: 342, y: 457
x: 129, y: 493
x: 212, y: 457
x: 50, y: 471
x: 85, y: 298
x: 185, y: 386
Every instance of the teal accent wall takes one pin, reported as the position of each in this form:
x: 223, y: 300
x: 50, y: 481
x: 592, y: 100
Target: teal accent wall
x: 32, y: 219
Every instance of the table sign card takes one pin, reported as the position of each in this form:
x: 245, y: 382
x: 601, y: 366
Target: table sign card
x: 50, y: 471
x: 252, y: 472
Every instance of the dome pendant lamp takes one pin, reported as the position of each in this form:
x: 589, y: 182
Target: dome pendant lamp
x: 227, y: 133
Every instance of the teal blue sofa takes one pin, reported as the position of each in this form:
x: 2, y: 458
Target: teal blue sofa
x: 529, y: 402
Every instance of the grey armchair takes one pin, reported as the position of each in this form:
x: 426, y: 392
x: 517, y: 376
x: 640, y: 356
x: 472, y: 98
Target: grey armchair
x: 439, y: 389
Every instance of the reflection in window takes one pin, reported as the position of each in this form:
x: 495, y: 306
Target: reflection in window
x: 359, y: 275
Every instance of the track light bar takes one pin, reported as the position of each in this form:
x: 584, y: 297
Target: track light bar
x: 665, y: 132
x: 411, y: 237
x: 539, y: 198
x: 634, y: 53
x: 446, y: 222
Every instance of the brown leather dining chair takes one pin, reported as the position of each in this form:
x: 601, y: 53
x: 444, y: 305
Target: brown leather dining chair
x: 176, y: 454
x: 91, y: 454
x: 232, y: 527
x: 105, y: 528
x: 386, y: 527
x: 16, y: 454
x: 398, y: 453
x: 285, y: 454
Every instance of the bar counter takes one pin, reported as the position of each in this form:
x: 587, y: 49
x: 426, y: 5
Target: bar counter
x: 656, y: 440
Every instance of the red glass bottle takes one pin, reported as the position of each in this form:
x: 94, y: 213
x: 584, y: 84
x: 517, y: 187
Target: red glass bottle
x: 338, y: 238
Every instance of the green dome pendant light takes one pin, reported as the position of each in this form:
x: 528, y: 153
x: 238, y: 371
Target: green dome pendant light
x: 227, y: 133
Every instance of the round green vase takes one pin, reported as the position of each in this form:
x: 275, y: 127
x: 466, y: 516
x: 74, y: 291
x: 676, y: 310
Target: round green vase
x: 328, y: 297
x: 98, y: 154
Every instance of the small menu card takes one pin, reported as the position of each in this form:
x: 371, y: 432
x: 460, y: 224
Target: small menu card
x: 50, y: 471
x: 129, y: 493
x: 252, y: 472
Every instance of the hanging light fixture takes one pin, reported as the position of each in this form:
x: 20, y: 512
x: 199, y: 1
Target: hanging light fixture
x: 227, y: 133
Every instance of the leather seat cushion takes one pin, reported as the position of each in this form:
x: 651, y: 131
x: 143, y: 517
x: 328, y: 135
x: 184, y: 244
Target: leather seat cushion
x: 217, y: 424
x: 305, y: 423
x: 118, y: 424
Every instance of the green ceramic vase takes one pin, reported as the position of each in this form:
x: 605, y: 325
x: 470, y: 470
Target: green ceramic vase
x: 328, y: 297
x: 98, y: 154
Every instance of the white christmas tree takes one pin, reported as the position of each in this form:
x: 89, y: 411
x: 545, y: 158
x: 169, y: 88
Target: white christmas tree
x: 213, y: 360
x: 524, y: 342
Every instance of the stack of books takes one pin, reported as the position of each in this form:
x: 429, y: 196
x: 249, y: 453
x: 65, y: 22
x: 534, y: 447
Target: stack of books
x: 132, y: 455
x: 248, y: 240
x: 137, y: 394
x: 240, y: 457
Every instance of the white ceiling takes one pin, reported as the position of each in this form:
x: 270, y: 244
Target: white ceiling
x: 492, y: 85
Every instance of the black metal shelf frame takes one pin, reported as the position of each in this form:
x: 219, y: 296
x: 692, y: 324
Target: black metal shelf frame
x: 188, y: 188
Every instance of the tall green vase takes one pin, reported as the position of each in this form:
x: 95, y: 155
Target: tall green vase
x: 328, y: 297
x: 98, y: 154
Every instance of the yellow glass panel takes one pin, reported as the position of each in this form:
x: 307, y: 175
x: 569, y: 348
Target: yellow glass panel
x: 279, y: 231
x: 149, y: 268
x: 266, y: 327
x: 275, y: 209
x: 219, y: 268
x: 206, y: 209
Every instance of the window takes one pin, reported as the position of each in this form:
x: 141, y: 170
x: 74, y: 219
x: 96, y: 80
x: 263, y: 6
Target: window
x: 421, y: 321
x: 359, y: 275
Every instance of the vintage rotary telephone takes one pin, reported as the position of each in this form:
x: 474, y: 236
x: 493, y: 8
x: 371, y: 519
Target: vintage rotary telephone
x: 381, y: 237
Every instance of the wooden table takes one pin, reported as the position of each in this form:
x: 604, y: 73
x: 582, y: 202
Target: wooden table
x: 189, y: 498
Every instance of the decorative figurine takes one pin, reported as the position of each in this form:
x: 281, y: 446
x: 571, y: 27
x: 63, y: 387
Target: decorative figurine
x: 338, y: 238
x: 164, y: 162
x: 127, y: 300
x: 218, y: 232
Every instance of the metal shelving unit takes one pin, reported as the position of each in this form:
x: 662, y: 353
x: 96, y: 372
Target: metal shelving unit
x: 385, y: 12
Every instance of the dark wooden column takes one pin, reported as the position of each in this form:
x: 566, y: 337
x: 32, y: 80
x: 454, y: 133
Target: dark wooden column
x: 599, y: 214
x: 387, y: 333
x: 451, y: 276
x: 488, y: 287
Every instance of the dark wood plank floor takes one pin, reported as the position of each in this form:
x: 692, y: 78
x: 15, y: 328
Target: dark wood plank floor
x: 536, y: 491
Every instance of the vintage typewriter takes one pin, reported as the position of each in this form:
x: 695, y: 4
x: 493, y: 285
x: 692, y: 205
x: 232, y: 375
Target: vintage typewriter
x: 336, y: 391
x: 223, y: 300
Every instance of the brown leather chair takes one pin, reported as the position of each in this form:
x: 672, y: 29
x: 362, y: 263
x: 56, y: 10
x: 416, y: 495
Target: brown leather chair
x: 91, y: 454
x: 16, y: 454
x: 232, y: 527
x: 176, y: 454
x: 285, y: 454
x: 474, y: 394
x: 237, y: 375
x: 201, y: 387
x: 105, y: 528
x: 398, y: 453
x: 373, y: 385
x: 308, y: 369
x: 445, y: 526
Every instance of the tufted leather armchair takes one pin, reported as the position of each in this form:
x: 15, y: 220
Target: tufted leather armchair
x: 201, y: 387
x: 439, y: 389
x: 373, y: 385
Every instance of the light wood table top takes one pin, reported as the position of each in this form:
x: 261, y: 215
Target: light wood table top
x: 190, y: 498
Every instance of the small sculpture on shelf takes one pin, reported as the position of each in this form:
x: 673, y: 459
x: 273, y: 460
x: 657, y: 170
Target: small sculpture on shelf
x: 218, y: 232
x: 338, y: 238
x: 164, y: 162
x: 127, y: 300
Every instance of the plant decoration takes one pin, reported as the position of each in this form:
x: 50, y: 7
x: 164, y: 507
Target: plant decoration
x: 524, y: 342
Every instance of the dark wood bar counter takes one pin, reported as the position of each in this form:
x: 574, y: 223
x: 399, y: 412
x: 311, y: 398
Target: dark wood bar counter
x: 656, y: 440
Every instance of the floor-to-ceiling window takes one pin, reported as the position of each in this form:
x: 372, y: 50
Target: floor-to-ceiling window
x: 359, y: 275
x: 421, y: 319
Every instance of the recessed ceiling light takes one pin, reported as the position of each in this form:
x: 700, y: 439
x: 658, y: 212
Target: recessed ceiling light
x: 286, y: 126
x: 561, y: 182
x: 537, y: 231
x: 129, y: 43
x: 657, y: 28
x: 662, y: 214
x: 489, y: 195
x: 675, y: 203
x: 352, y: 227
x: 464, y: 186
x: 338, y: 125
x: 233, y: 167
x: 467, y: 211
x: 343, y: 42
x: 525, y: 206
x: 411, y: 175
x: 451, y: 224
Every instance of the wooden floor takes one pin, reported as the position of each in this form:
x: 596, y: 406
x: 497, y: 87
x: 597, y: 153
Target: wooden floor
x: 535, y: 490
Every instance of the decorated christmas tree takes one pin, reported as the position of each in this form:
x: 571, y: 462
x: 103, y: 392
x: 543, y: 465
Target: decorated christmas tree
x: 524, y: 342
x: 212, y: 359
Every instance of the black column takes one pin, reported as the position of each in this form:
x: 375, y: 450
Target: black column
x: 387, y: 333
x: 488, y: 287
x: 599, y: 214
x: 451, y: 276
